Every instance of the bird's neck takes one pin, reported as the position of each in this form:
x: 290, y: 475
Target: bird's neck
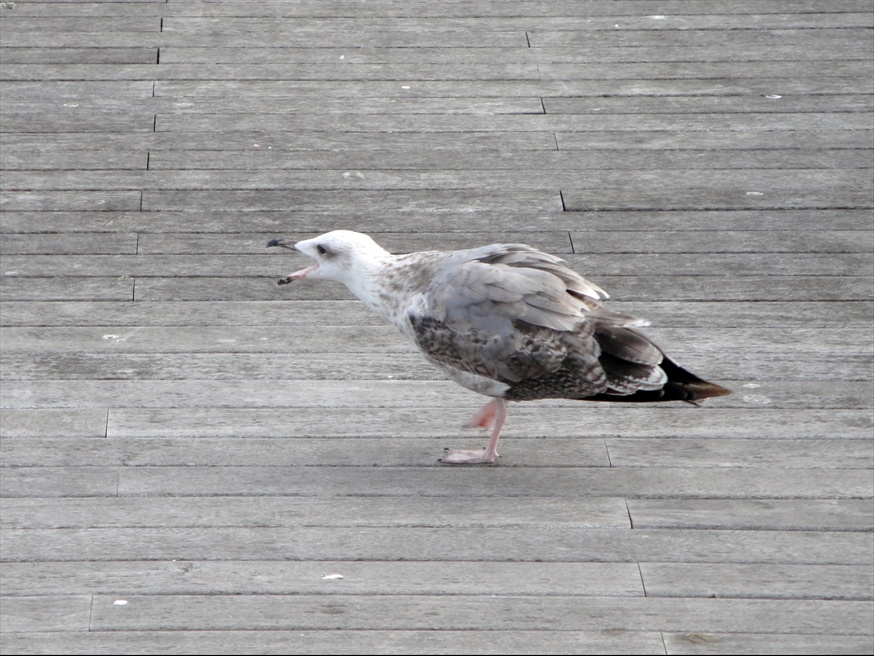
x: 388, y: 284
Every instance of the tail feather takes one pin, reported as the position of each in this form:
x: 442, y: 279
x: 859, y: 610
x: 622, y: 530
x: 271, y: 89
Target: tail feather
x: 682, y: 385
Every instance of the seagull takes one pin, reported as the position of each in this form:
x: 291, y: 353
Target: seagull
x: 507, y: 321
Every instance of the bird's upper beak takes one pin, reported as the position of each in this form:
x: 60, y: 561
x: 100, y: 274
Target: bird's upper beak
x: 297, y: 275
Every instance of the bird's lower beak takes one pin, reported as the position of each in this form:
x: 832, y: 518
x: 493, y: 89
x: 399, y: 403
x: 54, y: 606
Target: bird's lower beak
x: 297, y: 275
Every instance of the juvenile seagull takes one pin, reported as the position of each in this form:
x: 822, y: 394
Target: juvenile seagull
x: 505, y: 320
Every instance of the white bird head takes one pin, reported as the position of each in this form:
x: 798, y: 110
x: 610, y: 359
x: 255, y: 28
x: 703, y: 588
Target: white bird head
x: 341, y: 255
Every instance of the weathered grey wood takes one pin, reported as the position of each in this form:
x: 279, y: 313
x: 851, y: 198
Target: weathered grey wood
x: 75, y: 121
x: 759, y: 241
x: 378, y: 201
x: 64, y: 244
x: 631, y: 452
x: 752, y: 643
x: 448, y: 221
x: 742, y: 85
x: 689, y: 315
x: 567, y: 160
x: 182, y: 434
x: 525, y: 122
x: 714, y: 38
x: 341, y: 71
x: 70, y: 200
x: 407, y: 365
x: 563, y: 422
x: 402, y: 71
x: 440, y: 544
x: 377, y: 578
x: 680, y: 288
x: 434, y: 642
x: 435, y: 392
x: 238, y: 24
x: 361, y: 642
x: 54, y: 422
x: 14, y: 158
x: 78, y: 55
x: 769, y: 180
x: 13, y: 288
x: 470, y: 612
x: 615, y: 273
x: 351, y: 512
x: 758, y: 581
x: 752, y: 514
x: 206, y: 451
x: 391, y: 8
x: 63, y: 613
x: 583, y: 53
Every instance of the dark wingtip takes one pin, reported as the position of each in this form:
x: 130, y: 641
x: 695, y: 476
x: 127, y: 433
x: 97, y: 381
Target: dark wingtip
x: 274, y: 242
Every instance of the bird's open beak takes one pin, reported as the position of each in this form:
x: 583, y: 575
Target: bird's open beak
x: 297, y: 275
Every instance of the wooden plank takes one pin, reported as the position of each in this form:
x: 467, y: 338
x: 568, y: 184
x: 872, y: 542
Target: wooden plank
x: 435, y: 38
x: 386, y: 339
x: 342, y: 70
x: 631, y: 452
x: 52, y: 422
x: 680, y: 70
x: 70, y: 200
x: 431, y: 479
x: 758, y: 241
x: 716, y: 37
x: 60, y: 482
x: 742, y: 85
x: 440, y: 544
x: 450, y: 221
x: 95, y: 55
x: 528, y: 419
x: 691, y: 315
x: 307, y: 578
x: 761, y: 195
x: 16, y: 158
x: 614, y: 272
x: 681, y: 288
x: 378, y: 201
x: 57, y: 289
x: 568, y: 160
x: 65, y: 244
x: 245, y: 612
x: 706, y: 104
x: 752, y: 514
x: 34, y: 451
x: 390, y: 8
x: 583, y: 53
x: 771, y: 643
x: 436, y: 393
x: 75, y: 121
x: 775, y: 181
x: 400, y: 365
x: 65, y: 613
x: 358, y: 642
x: 729, y: 122
x: 351, y: 512
x: 587, y: 24
x: 51, y: 24
x: 758, y: 581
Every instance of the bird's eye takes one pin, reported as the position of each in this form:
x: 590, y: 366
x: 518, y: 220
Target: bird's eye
x: 321, y: 250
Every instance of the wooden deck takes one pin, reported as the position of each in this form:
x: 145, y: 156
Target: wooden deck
x: 191, y: 453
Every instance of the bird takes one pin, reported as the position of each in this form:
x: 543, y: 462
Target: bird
x: 507, y: 321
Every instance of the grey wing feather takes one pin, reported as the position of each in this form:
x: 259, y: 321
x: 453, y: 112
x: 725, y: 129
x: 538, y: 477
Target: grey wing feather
x: 511, y: 313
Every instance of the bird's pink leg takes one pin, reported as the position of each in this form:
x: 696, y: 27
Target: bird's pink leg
x: 498, y: 410
x: 485, y: 416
